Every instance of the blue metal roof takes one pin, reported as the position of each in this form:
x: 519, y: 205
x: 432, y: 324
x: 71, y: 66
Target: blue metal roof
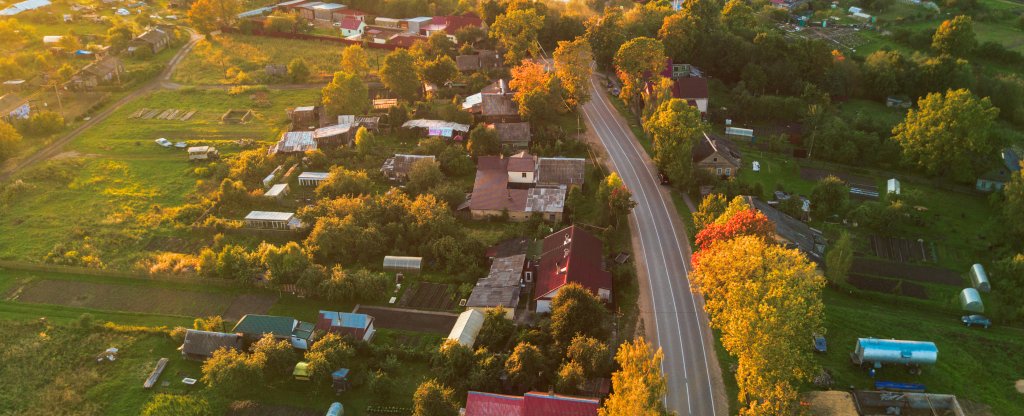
x: 340, y: 374
x: 345, y: 319
x: 1011, y: 160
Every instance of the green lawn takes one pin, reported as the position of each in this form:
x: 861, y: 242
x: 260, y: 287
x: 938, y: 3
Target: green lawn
x: 114, y: 175
x: 975, y: 364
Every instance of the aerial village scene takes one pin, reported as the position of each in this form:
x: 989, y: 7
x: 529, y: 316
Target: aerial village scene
x: 512, y: 207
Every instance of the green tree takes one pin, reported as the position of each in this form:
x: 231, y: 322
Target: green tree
x: 298, y: 70
x: 605, y: 35
x: 452, y: 364
x: 346, y: 94
x: 434, y: 399
x: 212, y: 323
x: 1013, y: 205
x: 638, y: 386
x: 616, y: 198
x: 355, y: 60
x: 950, y: 134
x: 327, y: 355
x: 341, y: 181
x: 955, y: 36
x: 164, y: 404
x: 212, y: 15
x: 839, y: 259
x: 382, y: 386
x: 711, y: 207
x: 675, y: 127
x: 278, y: 357
x: 635, y: 59
x: 575, y: 311
x: 424, y: 174
x: 234, y: 262
x: 483, y: 141
x: 119, y: 35
x: 231, y: 372
x: 572, y: 67
x: 281, y: 21
x: 286, y: 263
x: 365, y: 142
x: 439, y: 71
x: 524, y: 366
x: 516, y: 32
x: 10, y: 139
x: 398, y: 73
x: 680, y: 35
x: 570, y: 378
x: 487, y: 372
x: 591, y: 353
x: 829, y: 197
x: 496, y: 331
x: 1007, y: 299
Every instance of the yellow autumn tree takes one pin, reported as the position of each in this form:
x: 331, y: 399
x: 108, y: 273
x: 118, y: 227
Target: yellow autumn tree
x: 766, y: 300
x: 639, y: 385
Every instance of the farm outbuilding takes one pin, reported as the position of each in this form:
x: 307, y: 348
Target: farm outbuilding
x: 979, y: 279
x: 272, y: 220
x: 891, y: 351
x: 200, y: 345
x: 301, y: 371
x: 403, y: 264
x: 970, y: 300
x: 892, y: 186
x: 202, y: 152
x: 312, y: 178
x: 277, y: 191
x: 467, y: 327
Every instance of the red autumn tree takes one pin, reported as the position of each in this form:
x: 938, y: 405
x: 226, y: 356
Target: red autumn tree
x: 747, y: 222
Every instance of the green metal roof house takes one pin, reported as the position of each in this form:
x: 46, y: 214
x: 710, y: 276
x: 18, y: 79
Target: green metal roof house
x: 253, y: 327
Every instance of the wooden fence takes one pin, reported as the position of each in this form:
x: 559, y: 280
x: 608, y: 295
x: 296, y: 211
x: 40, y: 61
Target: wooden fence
x: 56, y: 268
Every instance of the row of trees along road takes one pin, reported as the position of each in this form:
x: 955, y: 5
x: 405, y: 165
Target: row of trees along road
x: 765, y: 300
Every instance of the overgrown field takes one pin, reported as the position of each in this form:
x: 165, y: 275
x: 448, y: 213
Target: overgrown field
x: 112, y: 183
x: 209, y: 62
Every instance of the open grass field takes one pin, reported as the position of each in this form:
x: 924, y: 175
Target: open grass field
x: 973, y: 363
x: 114, y: 174
x: 209, y: 61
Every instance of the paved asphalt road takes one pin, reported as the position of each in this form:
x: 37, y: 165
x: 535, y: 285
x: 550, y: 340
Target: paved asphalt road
x: 679, y: 325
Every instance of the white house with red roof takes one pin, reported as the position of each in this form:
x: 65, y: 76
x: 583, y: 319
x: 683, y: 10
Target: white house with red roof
x: 530, y: 404
x: 571, y: 255
x: 451, y: 24
x: 351, y: 26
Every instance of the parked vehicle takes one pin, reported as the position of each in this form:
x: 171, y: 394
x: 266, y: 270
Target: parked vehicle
x: 663, y: 178
x: 164, y: 142
x: 975, y: 320
x: 820, y: 345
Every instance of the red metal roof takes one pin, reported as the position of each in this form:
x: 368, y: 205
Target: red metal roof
x: 522, y: 162
x: 490, y: 404
x: 531, y: 404
x: 452, y: 24
x: 544, y: 404
x: 571, y: 255
x: 350, y: 23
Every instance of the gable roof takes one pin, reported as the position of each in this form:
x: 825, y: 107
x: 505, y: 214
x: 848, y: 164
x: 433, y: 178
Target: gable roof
x: 513, y: 132
x: 712, y: 144
x: 501, y: 286
x: 571, y: 255
x: 153, y: 36
x: 467, y: 62
x: 351, y: 23
x: 467, y: 327
x: 530, y: 404
x: 690, y: 88
x: 522, y: 162
x: 103, y: 66
x: 490, y: 188
x: 204, y: 343
x: 280, y: 326
x: 807, y: 239
x: 496, y: 100
x: 556, y: 171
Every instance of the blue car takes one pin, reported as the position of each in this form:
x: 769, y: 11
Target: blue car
x: 975, y: 320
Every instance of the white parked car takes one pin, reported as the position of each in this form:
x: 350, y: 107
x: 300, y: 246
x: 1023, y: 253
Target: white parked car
x: 164, y: 142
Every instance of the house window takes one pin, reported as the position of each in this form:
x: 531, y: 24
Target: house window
x: 718, y: 171
x: 714, y: 159
x: 524, y: 174
x: 728, y: 171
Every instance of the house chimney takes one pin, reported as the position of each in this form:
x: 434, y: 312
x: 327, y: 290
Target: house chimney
x: 503, y: 85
